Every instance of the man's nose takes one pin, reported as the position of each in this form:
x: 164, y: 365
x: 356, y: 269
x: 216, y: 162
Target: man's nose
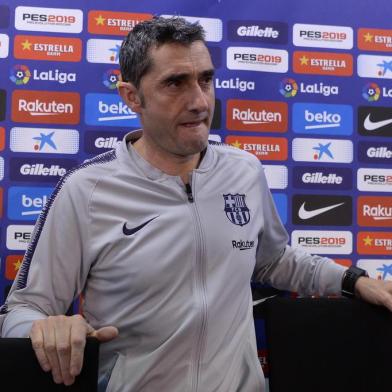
x: 198, y: 99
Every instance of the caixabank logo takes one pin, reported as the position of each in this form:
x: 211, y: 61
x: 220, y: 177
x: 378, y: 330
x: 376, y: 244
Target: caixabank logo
x: 44, y: 140
x: 375, y: 152
x: 277, y: 176
x: 4, y: 45
x: 101, y: 141
x: 103, y: 51
x: 322, y: 119
x: 332, y: 178
x: 374, y: 243
x: 374, y: 180
x: 323, y: 242
x: 62, y: 49
x: 371, y: 66
x: 322, y: 210
x: 264, y: 148
x: 21, y: 75
x: 375, y: 40
x: 374, y: 211
x: 375, y: 121
x: 39, y: 169
x: 380, y: 269
x: 3, y: 100
x: 109, y: 110
x: 26, y: 203
x: 114, y: 23
x: 61, y: 20
x: 45, y: 107
x: 257, y: 116
x: 258, y: 31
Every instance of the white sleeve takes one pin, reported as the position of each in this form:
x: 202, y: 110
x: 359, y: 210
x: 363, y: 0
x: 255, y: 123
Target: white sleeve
x: 18, y: 322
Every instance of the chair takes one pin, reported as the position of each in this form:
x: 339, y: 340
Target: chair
x: 328, y: 345
x: 20, y: 370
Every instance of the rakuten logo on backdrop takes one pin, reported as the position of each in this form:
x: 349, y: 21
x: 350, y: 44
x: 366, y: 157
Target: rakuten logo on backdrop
x: 258, y: 116
x: 323, y: 36
x: 257, y: 59
x: 61, y: 20
x: 45, y: 107
x: 258, y: 31
x: 375, y: 211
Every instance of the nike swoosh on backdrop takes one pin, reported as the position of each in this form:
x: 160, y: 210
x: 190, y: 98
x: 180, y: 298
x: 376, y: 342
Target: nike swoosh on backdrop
x: 305, y: 214
x: 373, y: 125
x: 133, y: 230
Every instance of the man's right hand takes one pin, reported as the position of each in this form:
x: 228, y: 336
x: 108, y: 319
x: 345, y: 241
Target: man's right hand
x: 59, y: 341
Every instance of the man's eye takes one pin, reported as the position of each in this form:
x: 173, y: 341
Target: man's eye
x: 174, y: 83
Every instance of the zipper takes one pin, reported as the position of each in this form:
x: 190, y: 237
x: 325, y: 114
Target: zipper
x: 200, y: 288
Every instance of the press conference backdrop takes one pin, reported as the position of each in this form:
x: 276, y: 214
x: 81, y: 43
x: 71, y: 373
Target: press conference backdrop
x: 303, y: 85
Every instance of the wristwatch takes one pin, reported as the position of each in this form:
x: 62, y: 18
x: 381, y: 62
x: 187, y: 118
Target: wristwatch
x: 350, y: 277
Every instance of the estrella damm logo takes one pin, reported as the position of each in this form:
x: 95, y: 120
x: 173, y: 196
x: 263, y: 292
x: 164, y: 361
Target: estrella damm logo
x: 236, y: 209
x: 20, y: 74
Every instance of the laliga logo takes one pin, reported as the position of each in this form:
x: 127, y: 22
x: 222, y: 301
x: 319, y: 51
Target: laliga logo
x: 20, y: 74
x: 110, y: 78
x: 371, y: 92
x: 288, y: 88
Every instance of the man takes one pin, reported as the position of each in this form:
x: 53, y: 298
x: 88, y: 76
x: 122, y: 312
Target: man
x: 162, y: 236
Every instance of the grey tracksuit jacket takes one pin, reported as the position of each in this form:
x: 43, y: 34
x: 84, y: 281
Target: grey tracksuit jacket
x: 169, y: 266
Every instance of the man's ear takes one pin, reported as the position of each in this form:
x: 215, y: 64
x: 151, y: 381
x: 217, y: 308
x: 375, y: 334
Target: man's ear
x: 130, y: 95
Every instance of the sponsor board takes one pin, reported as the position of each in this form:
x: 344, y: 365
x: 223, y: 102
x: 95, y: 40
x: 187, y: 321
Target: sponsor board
x: 216, y: 119
x: 213, y: 27
x: 45, y: 107
x: 1, y: 168
x: 344, y: 262
x: 375, y: 121
x: 99, y: 142
x: 59, y: 20
x: 2, y: 138
x: 371, y: 66
x: 44, y: 140
x: 12, y: 266
x: 258, y: 116
x: 216, y: 56
x: 322, y: 150
x: 322, y: 210
x: 322, y: 178
x: 3, y: 100
x: 4, y: 45
x: 374, y: 180
x: 375, y: 152
x: 32, y: 47
x: 109, y: 110
x: 1, y: 200
x: 258, y: 31
x: 257, y: 59
x: 264, y: 148
x: 214, y: 138
x: 323, y: 63
x: 322, y: 119
x: 374, y: 211
x: 20, y: 74
x: 323, y: 242
x: 289, y: 88
x: 103, y: 51
x: 375, y: 40
x: 4, y: 16
x: 280, y: 201
x: 18, y: 236
x: 374, y: 243
x: 26, y: 203
x: 235, y: 84
x: 114, y: 23
x: 380, y: 269
x: 39, y: 169
x: 277, y: 176
x: 323, y: 36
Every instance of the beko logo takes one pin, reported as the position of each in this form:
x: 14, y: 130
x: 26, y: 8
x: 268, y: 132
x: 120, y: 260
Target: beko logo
x: 320, y: 178
x: 319, y: 210
x: 375, y: 121
x: 258, y: 31
x: 323, y: 119
x: 234, y: 84
x: 323, y: 242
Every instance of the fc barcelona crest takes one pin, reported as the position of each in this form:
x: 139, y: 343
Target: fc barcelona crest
x: 236, y: 209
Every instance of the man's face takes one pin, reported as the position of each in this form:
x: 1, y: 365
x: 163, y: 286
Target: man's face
x: 177, y: 98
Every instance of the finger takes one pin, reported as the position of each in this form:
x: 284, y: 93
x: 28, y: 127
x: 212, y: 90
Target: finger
x: 78, y: 342
x: 51, y: 350
x: 105, y: 334
x: 63, y: 348
x: 37, y: 342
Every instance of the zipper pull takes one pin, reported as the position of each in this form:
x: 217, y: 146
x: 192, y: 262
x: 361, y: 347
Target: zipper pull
x: 188, y: 190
